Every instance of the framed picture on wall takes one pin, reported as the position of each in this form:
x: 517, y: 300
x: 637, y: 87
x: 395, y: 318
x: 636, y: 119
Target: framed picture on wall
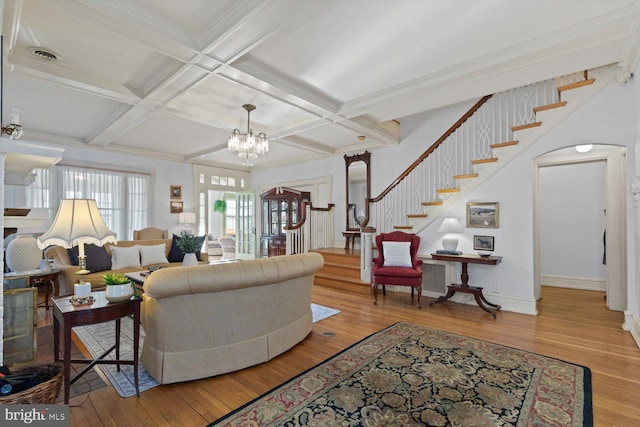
x: 483, y: 243
x: 176, y: 192
x: 176, y: 207
x: 482, y: 215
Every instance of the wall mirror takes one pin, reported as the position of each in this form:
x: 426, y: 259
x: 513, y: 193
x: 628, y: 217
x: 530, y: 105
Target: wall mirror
x: 358, y: 189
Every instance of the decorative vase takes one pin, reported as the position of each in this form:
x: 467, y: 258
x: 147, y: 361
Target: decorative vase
x: 189, y: 259
x: 118, y: 293
x: 23, y: 254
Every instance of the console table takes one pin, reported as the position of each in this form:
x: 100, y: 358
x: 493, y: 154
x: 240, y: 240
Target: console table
x: 464, y: 287
x: 68, y: 316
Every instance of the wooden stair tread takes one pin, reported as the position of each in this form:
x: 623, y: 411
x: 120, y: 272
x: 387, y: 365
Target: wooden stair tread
x: 504, y: 144
x: 448, y: 190
x: 527, y: 126
x: 481, y: 161
x: 403, y: 227
x: 466, y: 176
x: 549, y: 106
x: 432, y: 203
x: 576, y: 85
x: 416, y: 215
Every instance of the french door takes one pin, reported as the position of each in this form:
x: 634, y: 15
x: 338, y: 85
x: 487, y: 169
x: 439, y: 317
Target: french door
x: 245, y: 226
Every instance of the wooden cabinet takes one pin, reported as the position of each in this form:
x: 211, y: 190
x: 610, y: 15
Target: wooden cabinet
x: 280, y: 207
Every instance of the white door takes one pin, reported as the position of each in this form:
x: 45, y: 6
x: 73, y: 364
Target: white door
x: 245, y: 226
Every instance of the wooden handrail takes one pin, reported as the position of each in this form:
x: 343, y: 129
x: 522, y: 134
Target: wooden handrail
x: 303, y: 217
x: 431, y: 149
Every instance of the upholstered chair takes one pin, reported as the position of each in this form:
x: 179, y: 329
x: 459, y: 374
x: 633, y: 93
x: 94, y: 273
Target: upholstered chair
x: 150, y: 233
x: 397, y: 263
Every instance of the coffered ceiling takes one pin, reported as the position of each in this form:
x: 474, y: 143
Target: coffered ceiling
x: 167, y: 79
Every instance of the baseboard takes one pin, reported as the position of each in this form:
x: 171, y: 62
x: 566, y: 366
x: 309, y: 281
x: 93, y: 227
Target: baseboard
x: 632, y: 324
x: 508, y: 303
x: 587, y: 284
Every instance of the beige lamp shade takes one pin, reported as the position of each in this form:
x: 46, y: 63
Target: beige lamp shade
x: 78, y: 221
x: 187, y: 218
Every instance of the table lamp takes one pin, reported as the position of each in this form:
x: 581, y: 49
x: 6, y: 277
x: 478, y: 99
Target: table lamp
x: 187, y: 219
x: 77, y: 222
x: 450, y: 226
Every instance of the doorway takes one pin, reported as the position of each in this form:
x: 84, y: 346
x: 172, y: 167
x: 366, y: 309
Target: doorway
x: 611, y: 160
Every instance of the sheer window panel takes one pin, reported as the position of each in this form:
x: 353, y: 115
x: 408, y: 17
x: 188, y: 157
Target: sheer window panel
x: 122, y: 197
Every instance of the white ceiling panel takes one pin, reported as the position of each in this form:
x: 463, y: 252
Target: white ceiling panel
x: 169, y: 78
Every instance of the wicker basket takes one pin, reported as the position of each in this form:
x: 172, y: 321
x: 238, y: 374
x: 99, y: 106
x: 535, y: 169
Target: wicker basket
x: 43, y: 393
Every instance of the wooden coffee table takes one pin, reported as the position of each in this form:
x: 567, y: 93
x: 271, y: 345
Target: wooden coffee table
x: 70, y: 316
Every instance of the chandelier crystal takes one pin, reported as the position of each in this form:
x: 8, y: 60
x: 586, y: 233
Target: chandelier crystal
x: 13, y: 129
x: 248, y: 145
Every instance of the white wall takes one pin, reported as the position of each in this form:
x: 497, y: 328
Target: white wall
x: 572, y: 220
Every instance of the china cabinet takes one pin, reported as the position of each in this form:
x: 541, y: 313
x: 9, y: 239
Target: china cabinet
x: 280, y: 207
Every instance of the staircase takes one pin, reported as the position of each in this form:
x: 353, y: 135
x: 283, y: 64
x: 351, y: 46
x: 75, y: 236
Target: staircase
x: 494, y: 131
x: 341, y: 270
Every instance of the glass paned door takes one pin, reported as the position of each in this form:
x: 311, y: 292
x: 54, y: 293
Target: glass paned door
x: 245, y: 226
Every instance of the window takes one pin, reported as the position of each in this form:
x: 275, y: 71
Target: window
x: 230, y: 215
x: 122, y: 197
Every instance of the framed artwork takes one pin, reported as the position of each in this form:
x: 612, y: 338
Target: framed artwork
x: 483, y: 243
x: 176, y: 192
x: 482, y: 215
x: 176, y: 207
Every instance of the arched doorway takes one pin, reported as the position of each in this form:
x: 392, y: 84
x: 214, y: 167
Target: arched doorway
x: 612, y: 157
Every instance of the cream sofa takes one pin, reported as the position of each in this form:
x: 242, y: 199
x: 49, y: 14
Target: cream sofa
x: 207, y: 320
x: 68, y: 276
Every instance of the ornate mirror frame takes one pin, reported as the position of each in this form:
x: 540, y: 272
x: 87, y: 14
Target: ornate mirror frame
x: 351, y: 209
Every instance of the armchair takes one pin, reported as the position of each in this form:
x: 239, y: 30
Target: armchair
x: 150, y: 233
x: 397, y: 263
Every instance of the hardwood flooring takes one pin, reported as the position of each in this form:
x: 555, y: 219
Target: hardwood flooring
x: 572, y: 325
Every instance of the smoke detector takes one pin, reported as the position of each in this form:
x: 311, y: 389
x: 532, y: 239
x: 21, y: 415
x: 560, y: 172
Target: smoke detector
x: 44, y: 54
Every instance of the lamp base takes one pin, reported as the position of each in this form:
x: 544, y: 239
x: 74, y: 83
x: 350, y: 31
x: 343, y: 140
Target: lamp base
x: 450, y: 243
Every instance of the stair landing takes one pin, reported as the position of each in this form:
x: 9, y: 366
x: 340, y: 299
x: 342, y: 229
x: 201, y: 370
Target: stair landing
x: 341, y: 270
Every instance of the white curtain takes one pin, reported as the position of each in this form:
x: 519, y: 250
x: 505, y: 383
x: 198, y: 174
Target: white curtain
x: 122, y: 197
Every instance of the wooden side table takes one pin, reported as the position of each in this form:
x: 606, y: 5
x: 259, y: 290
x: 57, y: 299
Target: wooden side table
x: 464, y: 287
x: 70, y: 316
x: 36, y: 278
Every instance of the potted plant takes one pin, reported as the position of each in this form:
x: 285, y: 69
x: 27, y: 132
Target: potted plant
x: 119, y: 287
x: 189, y: 244
x: 220, y: 206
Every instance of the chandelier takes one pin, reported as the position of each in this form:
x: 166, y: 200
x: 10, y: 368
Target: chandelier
x: 248, y: 145
x: 13, y: 129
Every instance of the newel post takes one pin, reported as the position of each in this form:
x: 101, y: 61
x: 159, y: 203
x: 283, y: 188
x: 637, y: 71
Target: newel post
x: 366, y: 253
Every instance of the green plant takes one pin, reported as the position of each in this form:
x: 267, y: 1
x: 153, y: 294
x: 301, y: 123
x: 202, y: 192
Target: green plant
x: 220, y: 206
x: 189, y: 243
x: 115, y: 279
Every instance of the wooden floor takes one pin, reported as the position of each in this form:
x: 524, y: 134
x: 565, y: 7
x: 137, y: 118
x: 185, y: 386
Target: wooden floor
x: 573, y: 325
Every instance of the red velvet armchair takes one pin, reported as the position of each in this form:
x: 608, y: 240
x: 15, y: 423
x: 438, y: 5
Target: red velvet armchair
x: 402, y: 266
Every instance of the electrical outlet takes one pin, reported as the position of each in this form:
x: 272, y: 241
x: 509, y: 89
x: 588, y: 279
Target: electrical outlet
x: 496, y: 289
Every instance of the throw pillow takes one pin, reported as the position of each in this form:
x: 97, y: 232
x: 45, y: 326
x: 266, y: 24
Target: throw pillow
x: 175, y: 254
x: 396, y: 254
x: 125, y: 257
x: 73, y: 255
x: 97, y: 258
x: 152, y: 254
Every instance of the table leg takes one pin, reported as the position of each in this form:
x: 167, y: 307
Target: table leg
x: 136, y: 345
x: 67, y: 360
x: 56, y: 339
x: 47, y: 284
x: 118, y: 344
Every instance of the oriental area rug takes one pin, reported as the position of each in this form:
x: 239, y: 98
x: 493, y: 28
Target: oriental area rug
x: 408, y: 375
